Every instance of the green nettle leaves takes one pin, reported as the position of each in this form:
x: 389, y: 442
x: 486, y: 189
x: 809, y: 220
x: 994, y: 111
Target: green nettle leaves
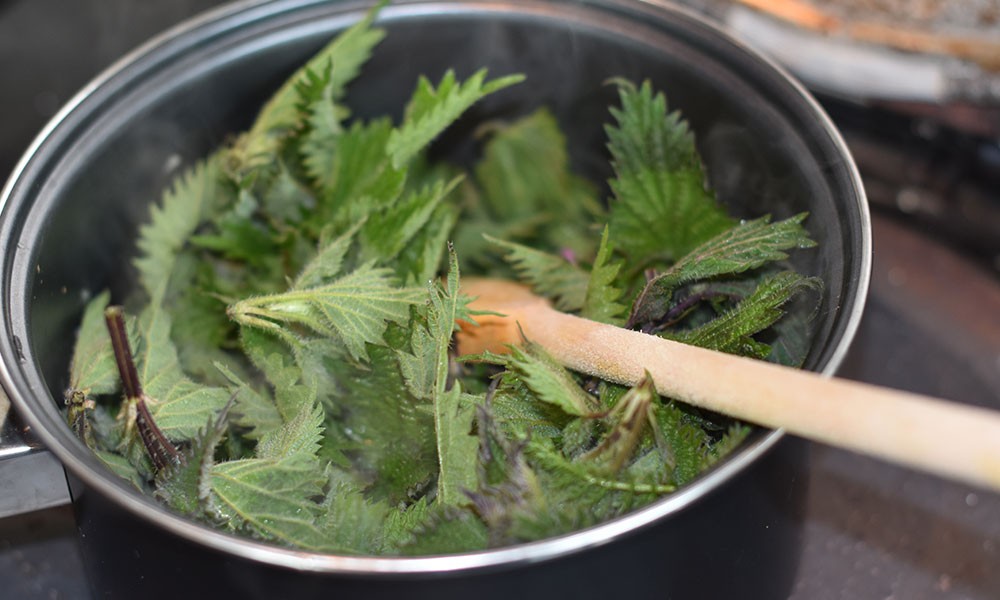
x: 92, y: 371
x: 746, y: 246
x: 548, y: 381
x: 602, y: 300
x: 431, y: 110
x: 453, y: 410
x: 179, y: 405
x: 549, y: 275
x: 162, y: 240
x: 355, y: 308
x: 662, y: 206
x: 341, y: 60
x: 731, y: 332
x: 293, y: 334
x: 353, y: 173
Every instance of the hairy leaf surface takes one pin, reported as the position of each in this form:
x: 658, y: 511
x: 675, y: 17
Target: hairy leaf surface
x: 731, y: 332
x: 343, y: 57
x: 93, y: 370
x: 551, y: 276
x: 179, y: 406
x: 662, y: 207
x: 275, y: 498
x: 192, y: 198
x: 432, y: 109
x: 746, y: 246
x: 355, y: 308
x: 602, y: 299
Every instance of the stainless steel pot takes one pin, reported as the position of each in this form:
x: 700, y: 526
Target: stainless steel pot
x: 71, y: 210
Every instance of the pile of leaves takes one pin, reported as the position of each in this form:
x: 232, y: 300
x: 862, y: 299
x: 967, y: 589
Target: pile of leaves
x: 293, y: 373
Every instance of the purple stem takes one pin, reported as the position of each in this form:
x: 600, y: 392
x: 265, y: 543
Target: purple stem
x: 162, y: 452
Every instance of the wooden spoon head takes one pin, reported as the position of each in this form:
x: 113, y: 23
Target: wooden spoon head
x: 503, y: 301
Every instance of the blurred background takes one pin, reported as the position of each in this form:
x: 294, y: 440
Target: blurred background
x: 914, y: 86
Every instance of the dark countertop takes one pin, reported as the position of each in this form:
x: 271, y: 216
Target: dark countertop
x: 870, y: 530
x: 874, y: 530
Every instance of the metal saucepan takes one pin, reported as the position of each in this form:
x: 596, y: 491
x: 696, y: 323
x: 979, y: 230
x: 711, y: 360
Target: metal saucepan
x: 71, y: 211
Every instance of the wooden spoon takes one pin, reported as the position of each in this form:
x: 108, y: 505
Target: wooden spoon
x: 952, y: 440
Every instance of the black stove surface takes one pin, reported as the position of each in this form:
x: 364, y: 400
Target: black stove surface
x: 870, y: 530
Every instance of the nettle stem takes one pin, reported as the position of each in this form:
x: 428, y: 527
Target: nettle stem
x: 162, y: 452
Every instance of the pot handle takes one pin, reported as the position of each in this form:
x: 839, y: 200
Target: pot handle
x: 30, y: 477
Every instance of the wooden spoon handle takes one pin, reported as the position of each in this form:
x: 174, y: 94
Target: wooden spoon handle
x: 945, y: 438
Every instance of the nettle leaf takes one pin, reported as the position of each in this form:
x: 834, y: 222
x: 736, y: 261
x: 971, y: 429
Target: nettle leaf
x: 549, y: 275
x: 420, y: 260
x: 238, y: 235
x: 350, y: 522
x: 507, y: 484
x: 646, y: 134
x: 453, y: 410
x: 300, y: 435
x: 354, y: 174
x: 286, y: 199
x: 735, y: 435
x: 179, y: 406
x: 477, y: 224
x: 342, y: 57
x: 548, y: 522
x: 629, y: 419
x: 682, y: 444
x: 192, y: 198
x: 746, y: 246
x: 453, y: 415
x: 356, y: 308
x: 648, y: 219
x: 293, y: 390
x: 275, y: 498
x: 390, y: 424
x: 400, y: 525
x: 336, y: 444
x: 350, y: 50
x: 323, y: 117
x: 663, y: 208
x: 431, y: 110
x: 276, y: 493
x: 424, y: 364
x: 520, y: 412
x: 389, y: 230
x: 418, y: 364
x: 602, y: 298
x: 587, y: 490
x: 93, y: 371
x: 201, y: 330
x: 447, y: 531
x: 120, y: 466
x: 793, y: 336
x: 501, y: 460
x: 548, y: 380
x: 731, y: 332
x: 525, y: 192
x: 254, y: 410
x: 327, y: 262
x: 525, y: 171
x: 186, y: 486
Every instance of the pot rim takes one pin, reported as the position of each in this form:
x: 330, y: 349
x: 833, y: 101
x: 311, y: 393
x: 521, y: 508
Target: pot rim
x: 145, y: 508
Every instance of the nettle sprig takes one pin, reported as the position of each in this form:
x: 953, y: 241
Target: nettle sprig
x: 290, y: 373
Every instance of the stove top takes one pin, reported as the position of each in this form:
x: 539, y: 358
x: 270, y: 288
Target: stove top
x: 869, y: 529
